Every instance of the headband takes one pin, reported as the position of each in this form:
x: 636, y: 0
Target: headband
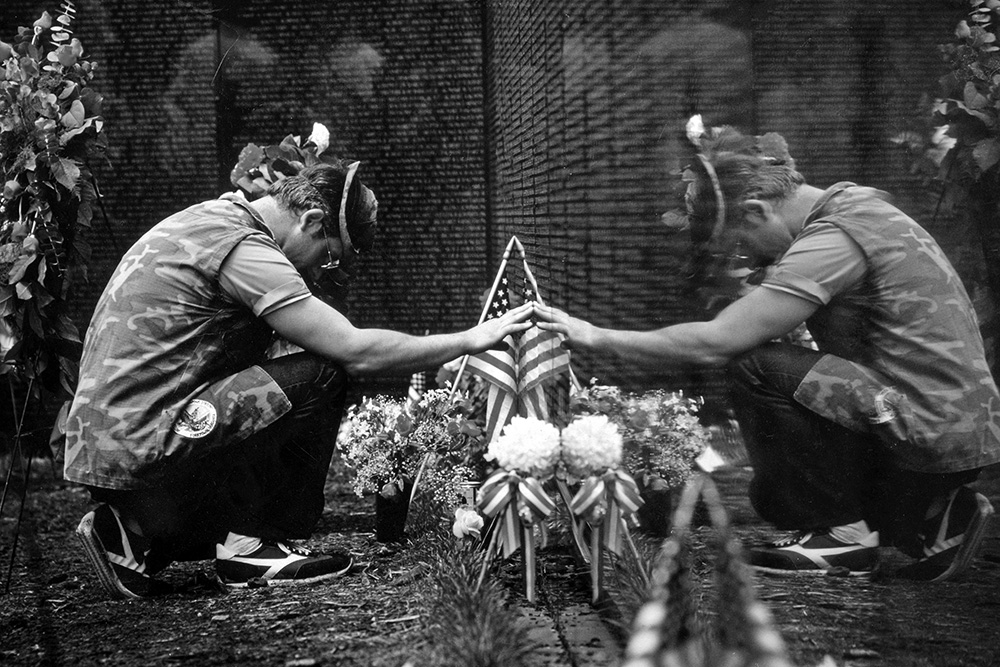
x: 720, y: 201
x: 345, y: 236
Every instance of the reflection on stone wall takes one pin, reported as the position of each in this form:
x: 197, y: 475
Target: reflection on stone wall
x: 587, y: 101
x: 557, y: 120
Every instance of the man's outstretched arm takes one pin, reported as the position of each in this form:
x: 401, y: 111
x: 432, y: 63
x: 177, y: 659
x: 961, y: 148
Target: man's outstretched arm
x: 760, y: 316
x: 318, y: 328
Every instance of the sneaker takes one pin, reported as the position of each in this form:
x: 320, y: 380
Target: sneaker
x: 278, y: 563
x: 951, y: 539
x: 816, y: 552
x: 118, y: 555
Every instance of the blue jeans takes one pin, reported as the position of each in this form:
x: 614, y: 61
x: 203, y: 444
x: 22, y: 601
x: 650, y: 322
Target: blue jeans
x: 811, y: 473
x: 269, y: 485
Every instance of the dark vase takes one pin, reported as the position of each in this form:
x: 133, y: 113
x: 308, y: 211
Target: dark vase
x: 390, y: 514
x: 656, y: 513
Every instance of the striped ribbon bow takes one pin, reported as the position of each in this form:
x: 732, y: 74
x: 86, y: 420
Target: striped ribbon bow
x: 614, y: 492
x: 517, y: 502
x: 505, y: 490
x: 603, y: 502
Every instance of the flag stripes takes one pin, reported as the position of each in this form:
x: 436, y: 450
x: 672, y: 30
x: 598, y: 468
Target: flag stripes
x: 520, y: 375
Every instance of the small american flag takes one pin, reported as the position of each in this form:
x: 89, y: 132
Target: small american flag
x: 519, y: 373
x: 418, y: 385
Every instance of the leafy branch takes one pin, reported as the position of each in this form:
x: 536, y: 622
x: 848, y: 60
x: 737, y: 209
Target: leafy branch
x: 971, y: 104
x: 51, y: 132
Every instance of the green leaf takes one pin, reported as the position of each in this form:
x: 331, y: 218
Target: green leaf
x: 973, y: 98
x: 75, y: 116
x: 44, y: 21
x: 66, y: 330
x: 18, y: 270
x: 66, y: 55
x: 35, y: 322
x: 23, y: 293
x: 986, y: 153
x: 66, y: 172
x: 250, y: 157
x: 18, y: 232
x: 11, y: 189
x: 6, y: 300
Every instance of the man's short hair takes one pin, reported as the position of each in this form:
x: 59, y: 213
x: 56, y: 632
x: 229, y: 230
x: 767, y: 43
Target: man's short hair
x: 322, y: 186
x: 735, y: 168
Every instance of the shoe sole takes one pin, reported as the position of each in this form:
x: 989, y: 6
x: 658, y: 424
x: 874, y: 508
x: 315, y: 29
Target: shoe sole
x: 831, y: 572
x: 971, y: 541
x: 97, y: 555
x: 290, y: 582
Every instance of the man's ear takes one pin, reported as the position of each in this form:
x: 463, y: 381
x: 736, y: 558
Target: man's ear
x: 312, y: 220
x: 756, y: 211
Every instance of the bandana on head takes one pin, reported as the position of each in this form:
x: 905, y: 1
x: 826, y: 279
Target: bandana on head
x: 257, y: 169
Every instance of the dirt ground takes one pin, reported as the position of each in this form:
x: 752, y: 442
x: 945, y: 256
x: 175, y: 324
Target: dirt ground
x: 54, y: 613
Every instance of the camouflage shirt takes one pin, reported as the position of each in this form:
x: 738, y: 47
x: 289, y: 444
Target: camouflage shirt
x: 905, y: 357
x: 163, y: 332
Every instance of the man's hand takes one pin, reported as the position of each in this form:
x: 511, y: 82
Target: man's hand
x: 578, y: 333
x: 490, y: 333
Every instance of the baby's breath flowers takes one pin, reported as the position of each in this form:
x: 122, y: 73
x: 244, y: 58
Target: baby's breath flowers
x: 387, y: 445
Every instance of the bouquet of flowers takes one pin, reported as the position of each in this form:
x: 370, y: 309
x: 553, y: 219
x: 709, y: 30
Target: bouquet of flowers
x: 661, y: 434
x: 388, y: 445
x: 50, y: 134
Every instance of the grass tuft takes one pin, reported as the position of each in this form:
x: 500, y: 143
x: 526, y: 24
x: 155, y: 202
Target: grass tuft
x: 473, y: 626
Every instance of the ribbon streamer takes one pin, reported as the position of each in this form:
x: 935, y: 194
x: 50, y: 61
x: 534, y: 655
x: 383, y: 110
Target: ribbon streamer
x: 617, y: 494
x: 518, y: 503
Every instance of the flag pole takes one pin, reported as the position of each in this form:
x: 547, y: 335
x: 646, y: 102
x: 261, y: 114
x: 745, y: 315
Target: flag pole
x: 486, y: 306
x: 538, y: 295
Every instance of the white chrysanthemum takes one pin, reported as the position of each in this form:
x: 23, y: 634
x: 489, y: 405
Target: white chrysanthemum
x: 527, y: 445
x: 591, y: 444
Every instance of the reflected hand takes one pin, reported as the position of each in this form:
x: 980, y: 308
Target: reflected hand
x: 490, y: 333
x: 576, y: 332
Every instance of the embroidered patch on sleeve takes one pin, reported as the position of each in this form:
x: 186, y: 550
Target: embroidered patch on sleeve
x: 197, y: 420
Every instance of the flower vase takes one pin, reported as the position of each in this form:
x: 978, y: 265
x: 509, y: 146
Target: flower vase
x: 656, y: 513
x: 391, y: 511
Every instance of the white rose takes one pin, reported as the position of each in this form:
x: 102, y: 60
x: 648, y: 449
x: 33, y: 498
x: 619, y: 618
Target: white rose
x: 467, y: 523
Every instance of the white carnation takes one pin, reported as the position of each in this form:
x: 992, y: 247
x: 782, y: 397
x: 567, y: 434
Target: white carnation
x: 695, y: 129
x: 527, y: 445
x: 591, y: 444
x: 321, y: 137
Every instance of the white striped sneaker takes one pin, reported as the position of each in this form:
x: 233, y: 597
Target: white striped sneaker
x: 118, y: 555
x: 816, y: 552
x: 952, y: 538
x: 278, y: 563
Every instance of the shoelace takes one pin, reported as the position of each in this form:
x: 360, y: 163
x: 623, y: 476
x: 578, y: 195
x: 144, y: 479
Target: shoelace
x: 294, y: 549
x: 794, y: 538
